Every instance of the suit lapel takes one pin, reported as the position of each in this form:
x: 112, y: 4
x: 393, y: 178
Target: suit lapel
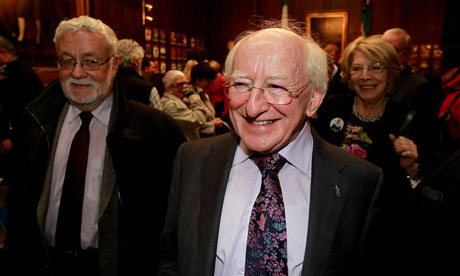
x: 108, y: 172
x: 326, y: 205
x: 214, y: 174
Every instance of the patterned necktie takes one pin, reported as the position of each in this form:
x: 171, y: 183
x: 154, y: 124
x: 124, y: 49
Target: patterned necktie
x: 69, y: 218
x: 266, y: 247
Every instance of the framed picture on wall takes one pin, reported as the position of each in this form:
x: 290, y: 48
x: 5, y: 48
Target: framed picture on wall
x: 328, y: 28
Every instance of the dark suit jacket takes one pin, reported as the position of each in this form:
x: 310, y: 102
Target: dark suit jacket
x: 136, y: 87
x: 428, y: 225
x: 422, y: 99
x: 340, y: 227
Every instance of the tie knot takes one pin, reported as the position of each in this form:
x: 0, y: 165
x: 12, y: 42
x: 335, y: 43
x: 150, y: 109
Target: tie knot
x: 86, y: 118
x: 272, y: 162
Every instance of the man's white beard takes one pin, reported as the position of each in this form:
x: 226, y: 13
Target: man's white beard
x: 98, y: 89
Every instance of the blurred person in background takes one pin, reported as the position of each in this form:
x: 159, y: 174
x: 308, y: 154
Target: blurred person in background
x: 188, y: 69
x: 130, y: 72
x: 147, y: 69
x: 420, y: 97
x: 19, y: 84
x: 202, y: 76
x: 189, y: 118
x: 216, y: 91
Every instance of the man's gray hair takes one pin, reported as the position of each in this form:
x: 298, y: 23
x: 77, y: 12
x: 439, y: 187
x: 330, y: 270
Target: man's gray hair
x: 170, y: 77
x: 129, y: 51
x: 7, y: 45
x: 88, y: 24
x: 316, y: 58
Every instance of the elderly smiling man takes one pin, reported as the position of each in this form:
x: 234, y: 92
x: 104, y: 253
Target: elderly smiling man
x: 272, y: 198
x: 97, y: 167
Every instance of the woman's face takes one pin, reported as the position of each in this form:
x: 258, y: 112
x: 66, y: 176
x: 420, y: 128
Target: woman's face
x: 368, y: 79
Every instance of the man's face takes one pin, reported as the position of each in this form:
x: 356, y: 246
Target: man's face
x: 268, y: 58
x: 86, y: 89
x: 178, y: 87
x: 397, y: 41
x: 149, y: 70
x: 202, y: 83
x: 334, y: 55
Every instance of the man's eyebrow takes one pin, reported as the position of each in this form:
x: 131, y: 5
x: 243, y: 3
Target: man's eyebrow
x: 85, y: 55
x: 65, y: 53
x: 235, y: 75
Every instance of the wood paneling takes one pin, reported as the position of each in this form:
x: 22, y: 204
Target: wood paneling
x: 125, y: 17
x: 220, y: 21
x: 237, y: 16
x: 422, y: 19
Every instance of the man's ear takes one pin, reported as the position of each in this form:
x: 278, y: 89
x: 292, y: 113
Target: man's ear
x: 316, y: 98
x: 115, y: 64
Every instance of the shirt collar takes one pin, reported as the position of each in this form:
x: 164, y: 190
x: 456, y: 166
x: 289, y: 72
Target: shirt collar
x: 101, y: 113
x: 298, y: 152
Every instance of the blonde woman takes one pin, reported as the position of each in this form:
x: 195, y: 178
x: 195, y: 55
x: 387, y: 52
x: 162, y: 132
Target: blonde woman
x: 188, y: 69
x: 367, y: 123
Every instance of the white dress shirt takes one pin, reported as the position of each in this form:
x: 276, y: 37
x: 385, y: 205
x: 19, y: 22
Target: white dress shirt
x: 242, y: 189
x: 98, y: 133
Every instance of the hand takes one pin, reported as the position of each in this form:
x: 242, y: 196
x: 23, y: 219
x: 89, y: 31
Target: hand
x: 189, y: 92
x: 217, y: 123
x: 5, y: 146
x: 408, y: 153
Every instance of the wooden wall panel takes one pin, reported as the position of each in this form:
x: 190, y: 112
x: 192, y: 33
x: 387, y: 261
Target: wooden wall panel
x: 125, y: 17
x: 422, y: 19
x: 220, y: 21
x: 238, y: 16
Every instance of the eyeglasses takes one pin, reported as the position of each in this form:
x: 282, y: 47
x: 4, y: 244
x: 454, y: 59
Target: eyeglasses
x: 179, y: 84
x: 86, y: 64
x: 240, y: 89
x: 374, y: 68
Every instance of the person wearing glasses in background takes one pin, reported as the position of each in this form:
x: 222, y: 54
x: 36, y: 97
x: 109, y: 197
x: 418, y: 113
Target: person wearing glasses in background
x: 189, y: 118
x: 410, y: 84
x: 97, y: 213
x: 271, y: 197
x: 421, y: 97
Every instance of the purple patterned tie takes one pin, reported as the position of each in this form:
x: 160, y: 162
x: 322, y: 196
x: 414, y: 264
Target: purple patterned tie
x: 266, y: 247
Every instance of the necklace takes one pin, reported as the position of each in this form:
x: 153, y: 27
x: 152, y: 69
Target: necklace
x: 369, y: 119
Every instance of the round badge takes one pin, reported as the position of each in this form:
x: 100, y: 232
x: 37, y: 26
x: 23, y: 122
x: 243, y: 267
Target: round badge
x: 336, y: 124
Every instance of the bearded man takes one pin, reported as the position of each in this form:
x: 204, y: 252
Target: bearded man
x: 95, y: 166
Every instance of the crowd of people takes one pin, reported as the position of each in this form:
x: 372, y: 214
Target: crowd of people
x: 291, y: 159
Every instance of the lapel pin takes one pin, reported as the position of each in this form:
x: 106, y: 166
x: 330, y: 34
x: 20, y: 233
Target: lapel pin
x: 337, y: 190
x: 336, y: 124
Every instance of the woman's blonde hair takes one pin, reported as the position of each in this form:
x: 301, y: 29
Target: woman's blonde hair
x: 377, y: 50
x: 188, y: 69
